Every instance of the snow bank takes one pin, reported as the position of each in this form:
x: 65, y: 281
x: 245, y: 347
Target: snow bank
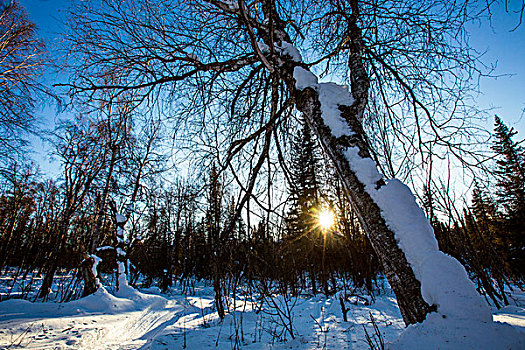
x: 99, y: 302
x: 102, y: 301
x: 144, y: 321
x: 437, y: 332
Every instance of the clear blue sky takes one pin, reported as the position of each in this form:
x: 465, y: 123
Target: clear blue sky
x: 505, y: 94
x: 506, y: 48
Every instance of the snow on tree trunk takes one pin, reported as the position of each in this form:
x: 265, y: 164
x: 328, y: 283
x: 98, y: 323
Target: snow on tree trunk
x: 422, y: 277
x: 120, y: 222
x: 88, y: 269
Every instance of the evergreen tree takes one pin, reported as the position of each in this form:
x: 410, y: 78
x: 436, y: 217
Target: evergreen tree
x: 302, y: 228
x: 486, y: 214
x: 510, y: 172
x: 428, y: 203
x: 305, y: 184
x: 215, y: 242
x: 484, y: 248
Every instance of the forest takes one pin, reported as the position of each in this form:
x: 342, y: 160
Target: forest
x: 230, y: 174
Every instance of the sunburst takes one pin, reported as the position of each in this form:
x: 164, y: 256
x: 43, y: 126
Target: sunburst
x: 326, y: 219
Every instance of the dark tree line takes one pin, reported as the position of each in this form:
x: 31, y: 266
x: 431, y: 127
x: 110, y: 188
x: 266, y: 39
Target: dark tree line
x: 178, y: 232
x: 187, y: 231
x: 316, y: 250
x: 227, y: 70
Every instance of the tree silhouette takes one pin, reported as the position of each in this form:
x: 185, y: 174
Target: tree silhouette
x: 510, y: 173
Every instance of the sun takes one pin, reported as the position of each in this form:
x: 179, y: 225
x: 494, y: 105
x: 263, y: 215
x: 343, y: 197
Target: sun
x: 326, y: 219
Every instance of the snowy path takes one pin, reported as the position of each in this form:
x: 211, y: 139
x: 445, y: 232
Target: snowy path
x: 148, y: 321
x: 97, y: 322
x: 137, y: 329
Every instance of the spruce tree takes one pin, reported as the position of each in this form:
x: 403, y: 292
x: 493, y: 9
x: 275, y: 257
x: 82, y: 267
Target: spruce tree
x: 488, y: 252
x: 484, y: 209
x: 213, y: 227
x: 305, y: 184
x: 510, y: 172
x: 302, y: 229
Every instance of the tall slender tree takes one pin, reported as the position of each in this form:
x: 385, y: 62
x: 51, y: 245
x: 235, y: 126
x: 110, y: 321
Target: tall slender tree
x: 214, y: 231
x: 302, y: 228
x: 305, y: 184
x: 510, y: 172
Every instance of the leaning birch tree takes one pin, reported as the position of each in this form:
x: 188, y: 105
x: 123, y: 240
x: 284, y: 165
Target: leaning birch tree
x: 248, y: 66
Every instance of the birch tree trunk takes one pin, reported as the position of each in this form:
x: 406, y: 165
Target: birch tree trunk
x: 396, y: 267
x: 423, y: 278
x: 398, y: 271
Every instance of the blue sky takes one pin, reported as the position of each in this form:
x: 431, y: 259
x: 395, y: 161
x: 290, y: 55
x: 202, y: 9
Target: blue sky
x: 506, y: 48
x: 505, y: 94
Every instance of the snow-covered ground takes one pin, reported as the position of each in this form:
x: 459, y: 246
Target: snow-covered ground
x: 151, y: 320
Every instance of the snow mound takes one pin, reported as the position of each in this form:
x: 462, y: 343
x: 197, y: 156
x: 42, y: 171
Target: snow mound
x: 102, y: 301
x: 436, y: 332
